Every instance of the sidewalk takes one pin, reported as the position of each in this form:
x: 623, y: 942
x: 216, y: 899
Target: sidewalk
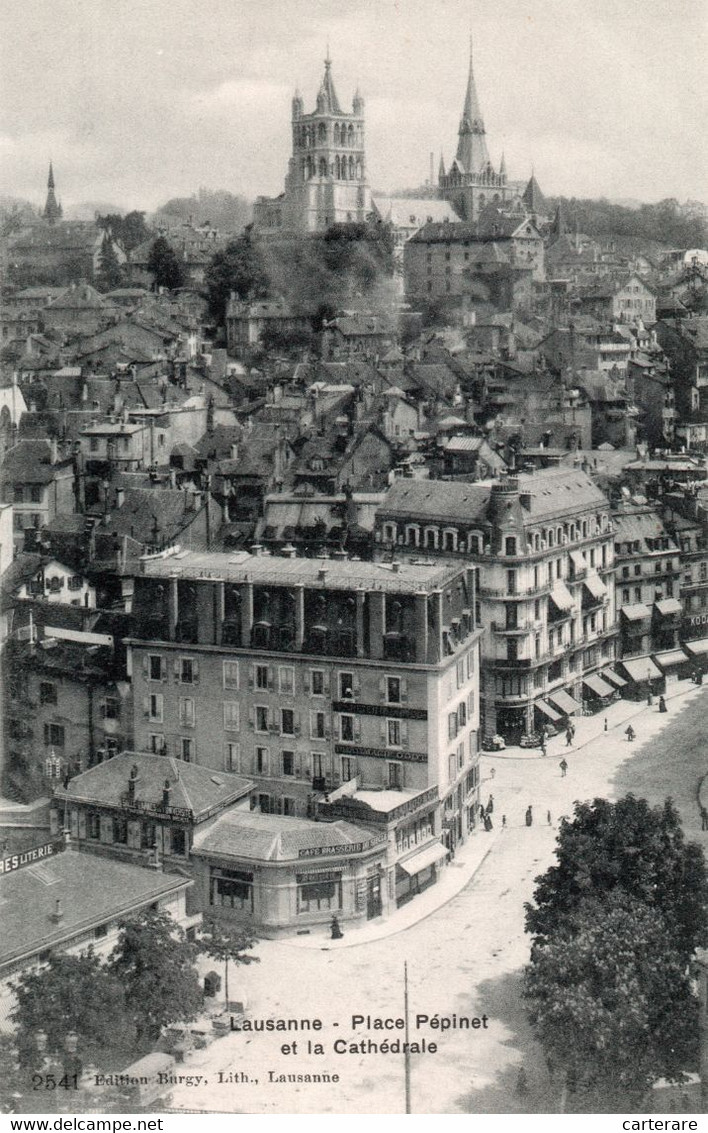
x: 469, y: 857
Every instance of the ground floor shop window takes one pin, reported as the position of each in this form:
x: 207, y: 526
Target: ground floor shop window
x: 322, y: 895
x: 232, y: 889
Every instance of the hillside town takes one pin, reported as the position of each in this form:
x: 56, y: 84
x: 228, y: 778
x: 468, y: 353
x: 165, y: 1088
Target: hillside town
x: 300, y: 522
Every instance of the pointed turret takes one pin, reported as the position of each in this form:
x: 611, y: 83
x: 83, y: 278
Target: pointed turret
x: 533, y: 199
x: 502, y: 169
x: 441, y: 168
x: 52, y: 210
x: 358, y: 102
x: 327, y: 101
x: 472, y: 151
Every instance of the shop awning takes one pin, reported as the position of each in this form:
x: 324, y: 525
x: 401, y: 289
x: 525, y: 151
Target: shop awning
x: 697, y: 648
x: 548, y: 710
x: 668, y: 606
x: 641, y: 669
x: 429, y: 855
x: 595, y: 585
x: 670, y: 658
x: 563, y: 701
x: 636, y: 613
x: 560, y: 595
x: 613, y: 677
x: 596, y: 684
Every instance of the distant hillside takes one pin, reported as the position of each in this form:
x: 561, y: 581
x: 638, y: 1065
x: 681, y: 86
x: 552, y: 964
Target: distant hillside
x: 225, y: 211
x: 667, y: 222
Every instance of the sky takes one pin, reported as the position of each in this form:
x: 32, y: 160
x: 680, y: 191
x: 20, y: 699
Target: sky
x: 140, y: 100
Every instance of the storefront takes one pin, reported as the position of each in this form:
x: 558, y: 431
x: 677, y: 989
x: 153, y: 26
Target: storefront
x: 613, y: 678
x: 644, y: 677
x: 418, y: 871
x: 698, y: 652
x: 563, y: 702
x: 598, y: 693
x: 279, y: 874
x: 674, y: 664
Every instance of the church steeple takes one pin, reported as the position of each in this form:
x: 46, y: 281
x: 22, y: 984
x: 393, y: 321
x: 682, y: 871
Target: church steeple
x: 472, y: 153
x: 52, y: 210
x: 327, y: 101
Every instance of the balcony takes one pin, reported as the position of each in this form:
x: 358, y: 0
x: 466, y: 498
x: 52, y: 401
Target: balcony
x: 525, y: 625
x: 519, y: 592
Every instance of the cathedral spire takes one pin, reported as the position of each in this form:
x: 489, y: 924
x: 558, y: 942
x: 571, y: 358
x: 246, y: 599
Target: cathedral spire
x: 327, y: 101
x: 472, y: 151
x: 52, y: 210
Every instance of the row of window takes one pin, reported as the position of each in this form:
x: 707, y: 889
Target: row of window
x: 275, y: 678
x: 137, y: 834
x: 233, y: 889
x: 450, y: 539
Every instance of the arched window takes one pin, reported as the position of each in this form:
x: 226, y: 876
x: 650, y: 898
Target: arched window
x: 323, y: 167
x: 336, y: 167
x: 359, y: 170
x: 510, y: 545
x: 474, y: 543
x: 482, y: 200
x: 322, y: 132
x: 551, y: 539
x: 351, y: 168
x: 336, y: 133
x: 537, y: 542
x: 431, y: 538
x: 350, y: 136
x: 343, y: 168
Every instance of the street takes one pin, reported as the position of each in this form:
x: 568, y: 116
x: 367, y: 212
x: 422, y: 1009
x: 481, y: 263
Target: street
x: 464, y: 959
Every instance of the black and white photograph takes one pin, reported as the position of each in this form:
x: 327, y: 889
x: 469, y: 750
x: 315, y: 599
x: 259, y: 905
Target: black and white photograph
x: 354, y: 561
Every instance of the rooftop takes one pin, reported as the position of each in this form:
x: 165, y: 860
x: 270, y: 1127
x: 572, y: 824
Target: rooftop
x: 325, y: 574
x: 92, y: 890
x: 275, y: 837
x: 197, y: 789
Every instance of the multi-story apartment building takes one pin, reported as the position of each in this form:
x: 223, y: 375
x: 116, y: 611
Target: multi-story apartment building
x: 647, y: 581
x: 686, y: 520
x: 39, y: 482
x: 313, y: 677
x: 543, y: 548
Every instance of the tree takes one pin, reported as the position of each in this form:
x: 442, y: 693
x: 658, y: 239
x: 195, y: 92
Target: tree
x: 630, y: 846
x: 611, y: 1002
x: 155, y: 964
x: 164, y: 265
x: 129, y: 230
x: 239, y: 267
x: 227, y: 944
x: 71, y: 993
x: 109, y: 275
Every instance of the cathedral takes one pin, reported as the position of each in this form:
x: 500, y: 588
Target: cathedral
x: 326, y: 181
x: 472, y: 184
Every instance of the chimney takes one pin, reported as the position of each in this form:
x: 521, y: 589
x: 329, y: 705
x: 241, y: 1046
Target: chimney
x: 234, y: 452
x: 54, y: 450
x: 166, y: 794
x: 58, y: 914
x: 256, y: 549
x: 322, y: 574
x: 132, y: 780
x: 120, y: 497
x: 173, y: 478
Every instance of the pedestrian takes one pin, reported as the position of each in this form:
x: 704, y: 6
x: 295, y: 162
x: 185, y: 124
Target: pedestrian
x: 568, y: 737
x: 564, y: 767
x: 490, y: 804
x: 605, y: 723
x: 544, y: 749
x: 493, y: 772
x: 482, y: 813
x: 503, y: 821
x: 662, y: 704
x: 571, y: 727
x: 704, y: 818
x: 548, y: 818
x: 488, y: 824
x: 630, y: 733
x: 529, y: 816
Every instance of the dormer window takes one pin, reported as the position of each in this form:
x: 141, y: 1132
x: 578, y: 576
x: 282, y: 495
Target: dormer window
x: 510, y: 545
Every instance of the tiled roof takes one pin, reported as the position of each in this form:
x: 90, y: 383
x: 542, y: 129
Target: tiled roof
x: 195, y: 788
x: 268, y: 837
x: 28, y: 462
x: 92, y: 891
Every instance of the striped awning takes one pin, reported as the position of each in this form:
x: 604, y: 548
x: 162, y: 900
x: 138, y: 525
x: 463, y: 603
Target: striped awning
x: 596, y: 684
x: 548, y: 710
x: 564, y: 701
x: 614, y: 678
x: 668, y: 606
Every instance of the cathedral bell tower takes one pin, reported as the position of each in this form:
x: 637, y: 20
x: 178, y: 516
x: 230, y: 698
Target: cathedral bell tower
x: 326, y: 182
